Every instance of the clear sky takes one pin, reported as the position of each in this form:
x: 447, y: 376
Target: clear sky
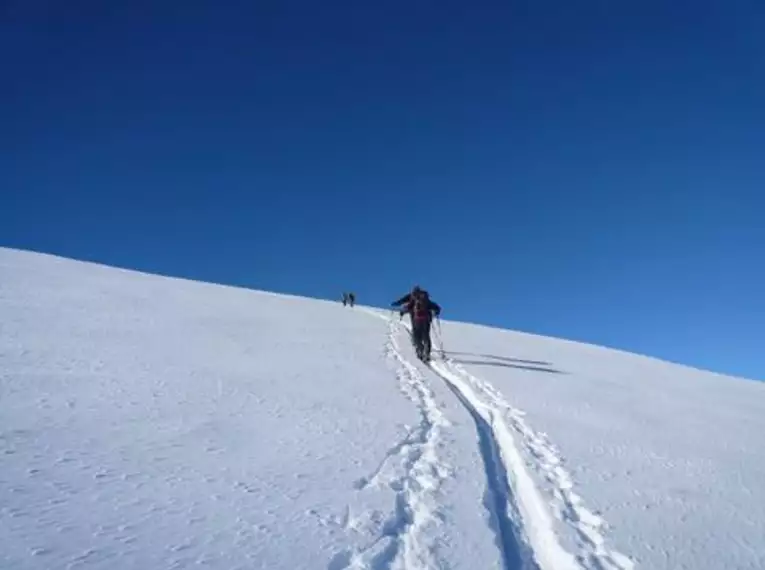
x: 586, y: 169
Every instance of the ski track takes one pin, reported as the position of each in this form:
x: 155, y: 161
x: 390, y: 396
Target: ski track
x: 501, y: 423
x: 519, y: 515
x: 503, y: 513
x: 403, y: 541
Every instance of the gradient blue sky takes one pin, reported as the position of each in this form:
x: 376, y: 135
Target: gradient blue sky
x: 593, y: 170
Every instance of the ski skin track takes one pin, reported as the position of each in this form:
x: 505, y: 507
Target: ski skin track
x: 520, y: 518
x: 589, y: 527
x: 515, y: 551
x: 518, y: 550
x: 403, y: 541
x: 521, y: 505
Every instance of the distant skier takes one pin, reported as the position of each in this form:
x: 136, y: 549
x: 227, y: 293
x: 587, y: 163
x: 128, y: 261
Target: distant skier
x: 349, y: 299
x: 421, y: 310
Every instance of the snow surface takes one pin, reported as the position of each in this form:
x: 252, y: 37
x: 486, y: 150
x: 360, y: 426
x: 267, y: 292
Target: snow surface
x: 150, y: 422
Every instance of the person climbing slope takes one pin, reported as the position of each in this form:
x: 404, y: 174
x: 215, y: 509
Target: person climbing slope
x: 416, y: 290
x: 421, y: 310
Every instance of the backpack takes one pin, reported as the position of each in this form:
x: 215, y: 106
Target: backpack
x: 420, y: 306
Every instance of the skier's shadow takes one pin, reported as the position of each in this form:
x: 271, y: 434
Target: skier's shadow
x: 501, y: 361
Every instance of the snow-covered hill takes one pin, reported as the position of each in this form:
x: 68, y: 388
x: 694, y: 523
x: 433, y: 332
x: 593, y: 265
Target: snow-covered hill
x: 156, y: 423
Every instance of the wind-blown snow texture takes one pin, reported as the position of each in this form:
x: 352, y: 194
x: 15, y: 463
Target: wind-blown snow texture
x: 150, y: 422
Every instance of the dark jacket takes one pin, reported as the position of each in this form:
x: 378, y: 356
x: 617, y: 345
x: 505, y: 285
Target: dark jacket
x: 407, y: 298
x: 407, y: 301
x: 402, y: 301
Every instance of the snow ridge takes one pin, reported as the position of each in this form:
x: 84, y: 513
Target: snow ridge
x: 504, y: 421
x: 404, y: 540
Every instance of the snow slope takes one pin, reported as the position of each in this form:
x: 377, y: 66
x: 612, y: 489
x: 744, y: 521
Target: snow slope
x: 149, y: 422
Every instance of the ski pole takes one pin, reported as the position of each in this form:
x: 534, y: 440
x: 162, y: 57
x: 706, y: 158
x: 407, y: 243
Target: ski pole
x: 440, y: 336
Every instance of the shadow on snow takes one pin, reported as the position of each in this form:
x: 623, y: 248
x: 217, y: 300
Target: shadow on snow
x: 503, y: 362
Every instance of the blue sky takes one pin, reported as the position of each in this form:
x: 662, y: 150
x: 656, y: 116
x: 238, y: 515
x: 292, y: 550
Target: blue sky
x: 591, y: 170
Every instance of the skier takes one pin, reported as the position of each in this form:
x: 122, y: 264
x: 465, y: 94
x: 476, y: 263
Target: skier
x: 349, y: 299
x: 421, y: 310
x: 408, y: 297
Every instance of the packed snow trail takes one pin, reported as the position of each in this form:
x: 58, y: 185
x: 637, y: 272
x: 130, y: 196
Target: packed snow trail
x: 403, y: 541
x: 590, y: 528
x: 520, y: 518
x: 511, y: 541
x: 497, y: 415
x: 524, y: 537
x: 486, y: 403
